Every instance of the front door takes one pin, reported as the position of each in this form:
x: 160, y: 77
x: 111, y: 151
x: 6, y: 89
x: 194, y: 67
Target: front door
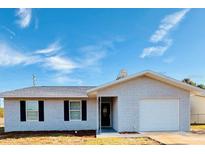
x: 105, y: 114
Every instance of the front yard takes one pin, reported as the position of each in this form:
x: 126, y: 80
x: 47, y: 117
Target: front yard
x: 64, y: 138
x: 68, y: 139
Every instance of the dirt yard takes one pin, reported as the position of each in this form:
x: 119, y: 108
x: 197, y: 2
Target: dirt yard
x: 1, y: 122
x: 30, y: 138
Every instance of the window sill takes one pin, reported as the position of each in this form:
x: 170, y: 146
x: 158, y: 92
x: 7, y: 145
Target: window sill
x: 75, y: 120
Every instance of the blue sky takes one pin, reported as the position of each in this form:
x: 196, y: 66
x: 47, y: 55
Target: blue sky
x: 90, y: 46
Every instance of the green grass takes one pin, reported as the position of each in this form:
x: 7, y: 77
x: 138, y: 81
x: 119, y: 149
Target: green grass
x: 1, y: 129
x: 1, y: 112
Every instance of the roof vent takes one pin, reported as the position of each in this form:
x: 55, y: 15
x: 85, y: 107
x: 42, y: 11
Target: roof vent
x: 122, y: 74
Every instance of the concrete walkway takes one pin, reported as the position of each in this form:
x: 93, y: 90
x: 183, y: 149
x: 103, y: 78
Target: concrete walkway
x: 170, y: 138
x: 116, y: 134
x: 110, y: 132
x: 177, y: 138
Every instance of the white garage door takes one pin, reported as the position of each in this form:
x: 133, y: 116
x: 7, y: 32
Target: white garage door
x: 159, y: 115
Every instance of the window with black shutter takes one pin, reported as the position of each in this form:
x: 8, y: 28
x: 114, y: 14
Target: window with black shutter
x: 41, y: 110
x: 84, y: 110
x: 23, y: 110
x: 66, y: 110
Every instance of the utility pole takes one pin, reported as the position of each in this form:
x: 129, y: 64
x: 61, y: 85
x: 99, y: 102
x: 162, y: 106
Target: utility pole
x: 34, y: 80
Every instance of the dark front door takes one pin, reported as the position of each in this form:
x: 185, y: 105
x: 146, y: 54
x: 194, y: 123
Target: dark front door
x: 105, y: 114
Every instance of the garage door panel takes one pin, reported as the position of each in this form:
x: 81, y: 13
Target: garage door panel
x: 159, y: 115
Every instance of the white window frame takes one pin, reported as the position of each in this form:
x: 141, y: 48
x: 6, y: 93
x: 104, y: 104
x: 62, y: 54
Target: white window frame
x: 79, y: 101
x: 35, y: 110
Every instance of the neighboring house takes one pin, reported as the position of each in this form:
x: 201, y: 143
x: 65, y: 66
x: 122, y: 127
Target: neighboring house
x: 146, y: 101
x: 198, y: 109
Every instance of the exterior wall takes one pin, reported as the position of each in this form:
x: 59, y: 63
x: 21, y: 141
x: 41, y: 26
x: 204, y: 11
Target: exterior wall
x: 129, y: 94
x: 198, y: 109
x: 53, y: 117
x: 115, y: 114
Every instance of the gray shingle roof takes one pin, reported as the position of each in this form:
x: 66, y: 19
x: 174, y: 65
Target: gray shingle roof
x: 48, y: 92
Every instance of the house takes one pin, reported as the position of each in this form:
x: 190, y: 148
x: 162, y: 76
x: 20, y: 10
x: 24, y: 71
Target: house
x: 198, y: 109
x: 146, y: 101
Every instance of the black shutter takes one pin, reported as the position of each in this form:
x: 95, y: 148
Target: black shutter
x: 41, y: 110
x: 66, y: 110
x: 84, y: 110
x: 23, y: 110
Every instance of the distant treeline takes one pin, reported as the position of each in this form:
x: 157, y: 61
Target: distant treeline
x: 189, y: 81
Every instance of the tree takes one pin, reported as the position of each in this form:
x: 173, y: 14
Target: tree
x: 202, y: 86
x: 189, y: 81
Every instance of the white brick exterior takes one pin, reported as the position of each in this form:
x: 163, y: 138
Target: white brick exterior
x: 115, y: 114
x: 53, y: 115
x: 129, y: 94
x: 125, y: 108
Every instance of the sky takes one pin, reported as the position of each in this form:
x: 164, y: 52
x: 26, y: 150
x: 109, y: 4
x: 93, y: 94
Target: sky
x: 90, y: 46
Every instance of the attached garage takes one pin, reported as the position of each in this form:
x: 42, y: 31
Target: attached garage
x: 149, y: 101
x: 159, y: 115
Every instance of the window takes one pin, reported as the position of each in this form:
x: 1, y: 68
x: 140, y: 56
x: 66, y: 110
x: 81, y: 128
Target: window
x: 32, y: 110
x: 75, y: 110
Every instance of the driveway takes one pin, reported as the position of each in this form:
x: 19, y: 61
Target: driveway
x: 176, y: 137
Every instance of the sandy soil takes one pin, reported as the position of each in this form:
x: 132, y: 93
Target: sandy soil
x: 1, y: 122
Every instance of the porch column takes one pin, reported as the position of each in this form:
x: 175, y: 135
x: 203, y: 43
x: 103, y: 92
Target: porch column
x: 100, y: 114
x: 97, y: 114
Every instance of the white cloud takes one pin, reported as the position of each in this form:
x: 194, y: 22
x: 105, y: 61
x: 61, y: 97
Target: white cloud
x: 167, y: 24
x: 10, y: 56
x: 92, y: 54
x: 50, y: 49
x: 24, y: 16
x: 9, y: 31
x: 168, y: 60
x: 156, y: 50
x: 36, y: 23
x: 64, y: 78
x: 55, y: 61
x: 60, y: 64
x: 90, y: 57
x: 161, y: 34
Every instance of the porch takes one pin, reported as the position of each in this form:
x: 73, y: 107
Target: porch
x: 110, y: 132
x: 107, y: 114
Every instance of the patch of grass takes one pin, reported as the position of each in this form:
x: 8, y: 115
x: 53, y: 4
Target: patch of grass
x: 1, y: 112
x: 1, y: 130
x: 121, y: 141
x: 71, y: 140
x: 68, y: 139
x: 195, y: 127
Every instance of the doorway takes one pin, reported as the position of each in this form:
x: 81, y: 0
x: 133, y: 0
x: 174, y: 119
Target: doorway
x: 106, y: 115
